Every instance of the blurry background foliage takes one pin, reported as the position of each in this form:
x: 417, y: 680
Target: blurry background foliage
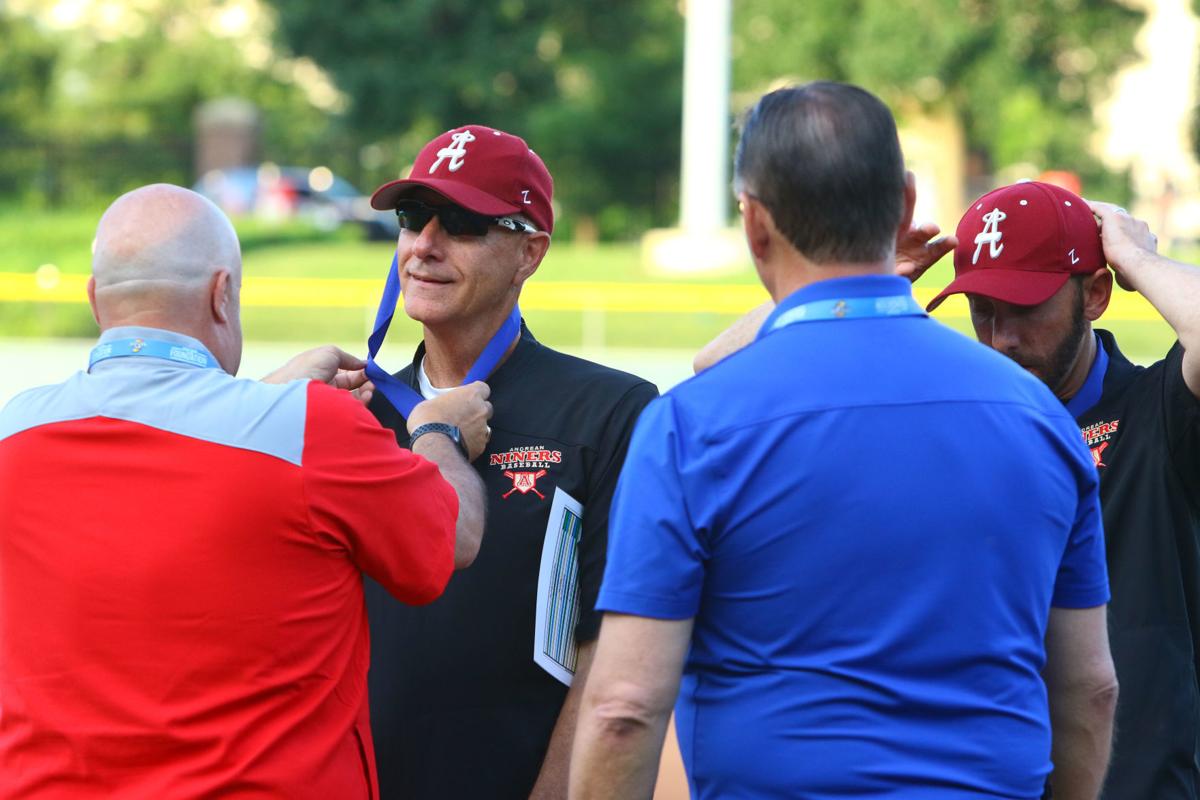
x: 104, y: 100
x: 1023, y: 75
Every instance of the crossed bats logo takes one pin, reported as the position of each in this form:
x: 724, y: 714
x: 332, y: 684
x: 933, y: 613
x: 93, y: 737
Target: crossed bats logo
x: 524, y: 482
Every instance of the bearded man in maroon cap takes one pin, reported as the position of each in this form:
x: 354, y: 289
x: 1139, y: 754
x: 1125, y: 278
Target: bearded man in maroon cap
x: 1032, y: 263
x: 475, y: 695
x: 1031, y: 259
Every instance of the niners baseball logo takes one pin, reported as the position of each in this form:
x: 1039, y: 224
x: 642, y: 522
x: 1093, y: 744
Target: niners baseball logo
x: 1098, y: 436
x: 524, y: 466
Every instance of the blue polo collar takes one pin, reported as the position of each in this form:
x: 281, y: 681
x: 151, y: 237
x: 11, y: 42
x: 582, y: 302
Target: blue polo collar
x: 1093, y: 386
x: 858, y: 297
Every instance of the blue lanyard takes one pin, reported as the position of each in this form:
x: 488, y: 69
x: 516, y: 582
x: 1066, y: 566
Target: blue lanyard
x: 152, y: 348
x: 402, y: 396
x: 892, y: 305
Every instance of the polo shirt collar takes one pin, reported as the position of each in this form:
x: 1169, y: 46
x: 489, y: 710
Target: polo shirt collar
x: 1093, y: 386
x: 838, y: 288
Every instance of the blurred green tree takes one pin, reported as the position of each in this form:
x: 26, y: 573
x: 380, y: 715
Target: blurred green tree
x: 1023, y: 75
x: 594, y: 87
x: 26, y: 85
x: 26, y: 73
x: 106, y: 102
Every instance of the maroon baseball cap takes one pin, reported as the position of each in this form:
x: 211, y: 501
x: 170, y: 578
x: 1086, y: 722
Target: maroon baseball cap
x: 481, y: 169
x: 1021, y: 243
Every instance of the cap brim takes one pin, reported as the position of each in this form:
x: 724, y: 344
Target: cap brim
x: 1016, y: 286
x: 468, y: 197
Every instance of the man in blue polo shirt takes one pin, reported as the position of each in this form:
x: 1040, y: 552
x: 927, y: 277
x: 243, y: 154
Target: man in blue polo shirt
x: 870, y: 547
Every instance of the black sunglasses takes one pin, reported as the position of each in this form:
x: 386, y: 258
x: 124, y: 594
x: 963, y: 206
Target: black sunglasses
x: 414, y: 215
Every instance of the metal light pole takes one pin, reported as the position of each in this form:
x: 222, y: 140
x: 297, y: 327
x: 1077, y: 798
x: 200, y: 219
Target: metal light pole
x: 704, y: 200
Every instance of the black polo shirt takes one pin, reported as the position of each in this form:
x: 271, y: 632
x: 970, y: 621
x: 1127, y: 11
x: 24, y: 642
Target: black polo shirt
x: 1144, y: 434
x: 459, y: 708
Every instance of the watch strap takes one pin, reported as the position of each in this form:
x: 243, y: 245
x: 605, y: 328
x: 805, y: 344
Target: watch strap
x: 454, y: 434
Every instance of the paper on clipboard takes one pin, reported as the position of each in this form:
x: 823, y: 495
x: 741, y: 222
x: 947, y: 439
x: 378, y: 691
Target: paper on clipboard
x: 554, y: 647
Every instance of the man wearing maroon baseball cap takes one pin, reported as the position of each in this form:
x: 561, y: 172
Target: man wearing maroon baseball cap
x: 475, y: 695
x: 1031, y: 259
x: 1031, y: 251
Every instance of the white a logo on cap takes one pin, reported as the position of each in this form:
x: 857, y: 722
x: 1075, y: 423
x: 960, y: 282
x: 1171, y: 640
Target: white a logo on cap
x: 456, y: 152
x: 990, y: 235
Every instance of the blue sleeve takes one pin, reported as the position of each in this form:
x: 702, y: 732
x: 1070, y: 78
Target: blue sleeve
x: 656, y: 558
x: 1082, y: 580
x: 602, y: 483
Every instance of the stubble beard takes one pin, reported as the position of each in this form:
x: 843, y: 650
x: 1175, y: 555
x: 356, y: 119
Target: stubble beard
x: 1064, y: 356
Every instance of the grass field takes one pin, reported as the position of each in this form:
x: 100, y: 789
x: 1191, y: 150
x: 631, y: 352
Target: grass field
x: 583, y: 318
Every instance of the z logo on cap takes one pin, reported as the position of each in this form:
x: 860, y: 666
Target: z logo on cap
x: 990, y: 235
x: 456, y: 151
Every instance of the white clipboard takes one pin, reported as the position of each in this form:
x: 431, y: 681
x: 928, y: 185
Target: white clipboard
x: 554, y: 646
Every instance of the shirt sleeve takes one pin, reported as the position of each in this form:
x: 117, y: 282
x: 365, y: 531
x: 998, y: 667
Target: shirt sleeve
x: 1082, y: 579
x: 656, y: 556
x: 389, y: 508
x: 593, y: 543
x: 1181, y: 415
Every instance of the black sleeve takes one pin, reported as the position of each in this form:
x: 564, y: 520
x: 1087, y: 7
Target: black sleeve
x: 1181, y: 412
x: 611, y: 447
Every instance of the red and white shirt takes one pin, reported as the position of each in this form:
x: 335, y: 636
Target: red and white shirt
x: 181, y: 606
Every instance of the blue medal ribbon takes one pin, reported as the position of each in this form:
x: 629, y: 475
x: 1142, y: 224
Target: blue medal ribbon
x: 152, y: 348
x: 402, y: 396
x: 892, y: 305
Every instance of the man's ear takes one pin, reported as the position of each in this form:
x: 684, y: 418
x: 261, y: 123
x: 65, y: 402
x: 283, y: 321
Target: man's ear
x: 759, y: 226
x: 910, y: 203
x: 1097, y: 292
x: 91, y: 292
x: 220, y: 292
x: 533, y: 250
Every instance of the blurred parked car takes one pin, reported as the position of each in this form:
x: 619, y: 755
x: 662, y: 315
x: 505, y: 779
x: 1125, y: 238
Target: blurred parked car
x: 282, y: 193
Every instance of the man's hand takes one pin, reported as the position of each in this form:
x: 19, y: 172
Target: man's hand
x: 1171, y: 286
x: 324, y: 364
x: 330, y: 365
x: 355, y: 382
x: 466, y: 408
x: 1125, y: 239
x: 917, y: 250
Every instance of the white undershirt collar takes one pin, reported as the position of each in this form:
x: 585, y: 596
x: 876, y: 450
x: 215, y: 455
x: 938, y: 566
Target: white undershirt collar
x: 428, y: 390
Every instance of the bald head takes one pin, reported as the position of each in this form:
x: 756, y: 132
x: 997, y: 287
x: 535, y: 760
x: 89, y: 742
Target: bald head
x: 163, y: 234
x: 166, y: 257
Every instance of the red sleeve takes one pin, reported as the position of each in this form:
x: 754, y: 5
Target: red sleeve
x: 390, y: 509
